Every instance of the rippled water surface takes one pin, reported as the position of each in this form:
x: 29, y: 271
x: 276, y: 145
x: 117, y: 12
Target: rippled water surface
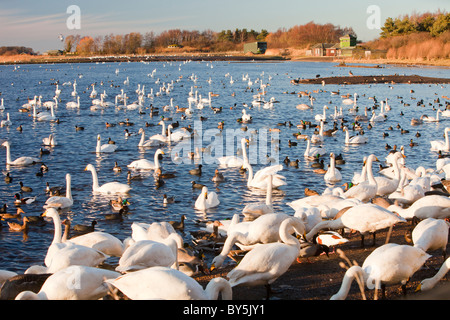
x: 76, y: 149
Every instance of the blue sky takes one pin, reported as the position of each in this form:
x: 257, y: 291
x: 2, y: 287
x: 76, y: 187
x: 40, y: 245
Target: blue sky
x: 37, y: 24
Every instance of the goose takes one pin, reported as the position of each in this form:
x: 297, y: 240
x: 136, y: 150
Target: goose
x: 144, y: 164
x: 235, y: 161
x: 333, y: 174
x: 431, y: 234
x: 366, y: 190
x: 206, y: 200
x: 22, y: 161
x: 388, y: 264
x: 169, y: 284
x: 265, y: 263
x: 259, y: 179
x: 432, y: 119
x: 429, y: 283
x: 88, y: 283
x: 431, y: 206
x: 253, y: 210
x: 73, y: 104
x: 144, y: 254
x: 107, y: 188
x: 61, y: 255
x: 61, y: 202
x: 439, y: 145
x: 98, y: 240
x: 365, y: 218
x: 104, y: 148
x: 264, y: 229
x: 312, y: 153
x: 323, y: 116
x: 359, y: 139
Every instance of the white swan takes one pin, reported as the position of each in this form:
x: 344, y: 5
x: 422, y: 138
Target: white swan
x: 47, y: 117
x: 107, y: 188
x: 377, y: 117
x: 61, y: 255
x: 386, y: 186
x: 318, y: 138
x: 365, y: 218
x: 431, y: 234
x: 349, y: 101
x: 312, y: 153
x: 429, y: 283
x: 206, y: 200
x: 360, y: 176
x: 49, y: 141
x: 323, y: 116
x: 386, y: 265
x: 22, y: 161
x: 104, y: 148
x: 246, y: 118
x: 259, y: 179
x: 254, y: 210
x: 62, y: 202
x: 264, y: 229
x: 144, y: 254
x: 169, y: 284
x: 235, y: 161
x: 431, y: 206
x: 7, y: 122
x: 432, y: 119
x: 73, y: 104
x: 144, y: 164
x: 439, y: 145
x: 73, y: 283
x: 265, y: 263
x: 358, y: 139
x: 333, y: 174
x: 365, y: 190
x: 407, y: 194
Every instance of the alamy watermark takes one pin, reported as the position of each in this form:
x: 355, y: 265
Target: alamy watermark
x: 73, y: 22
x: 211, y: 146
x: 373, y: 22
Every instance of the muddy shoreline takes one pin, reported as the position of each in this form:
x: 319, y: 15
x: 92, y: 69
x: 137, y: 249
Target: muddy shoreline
x: 352, y: 80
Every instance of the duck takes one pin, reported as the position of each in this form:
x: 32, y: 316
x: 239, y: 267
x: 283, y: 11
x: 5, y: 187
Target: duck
x: 15, y: 226
x: 25, y: 188
x: 107, y: 188
x: 197, y: 171
x: 23, y: 200
x: 206, y: 200
x: 116, y: 167
x: 90, y: 285
x: 218, y: 177
x: 310, y: 249
x: 265, y: 263
x: 167, y: 200
x: 81, y: 228
x: 8, y: 178
x: 119, y: 204
x: 388, y: 264
x: 178, y: 225
x: 21, y: 161
x: 61, y: 202
x: 17, y: 215
x: 196, y: 185
x: 169, y: 284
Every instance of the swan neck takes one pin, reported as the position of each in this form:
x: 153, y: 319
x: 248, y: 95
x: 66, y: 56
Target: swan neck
x: 269, y: 191
x: 349, y: 276
x: 98, y: 148
x: 69, y: 187
x: 58, y: 230
x: 250, y: 174
x: 216, y: 286
x: 370, y: 172
x: 431, y: 282
x: 141, y: 142
x: 156, y: 160
x: 244, y: 151
x: 94, y: 179
x: 8, y: 154
x: 286, y: 227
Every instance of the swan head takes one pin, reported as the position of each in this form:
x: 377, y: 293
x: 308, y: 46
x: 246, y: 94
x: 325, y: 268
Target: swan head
x: 50, y: 212
x: 98, y: 137
x: 5, y: 144
x: 89, y: 167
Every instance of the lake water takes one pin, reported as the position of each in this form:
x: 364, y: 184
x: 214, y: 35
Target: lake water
x: 76, y: 149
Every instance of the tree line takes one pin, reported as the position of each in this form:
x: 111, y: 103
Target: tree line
x: 432, y: 23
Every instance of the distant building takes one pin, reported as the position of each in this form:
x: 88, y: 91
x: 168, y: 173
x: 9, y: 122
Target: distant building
x: 174, y: 46
x: 53, y: 53
x: 324, y: 49
x: 255, y: 47
x: 347, y: 45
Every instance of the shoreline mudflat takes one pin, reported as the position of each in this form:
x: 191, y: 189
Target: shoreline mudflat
x: 351, y: 80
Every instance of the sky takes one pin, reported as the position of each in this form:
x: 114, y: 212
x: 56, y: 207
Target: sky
x: 38, y: 24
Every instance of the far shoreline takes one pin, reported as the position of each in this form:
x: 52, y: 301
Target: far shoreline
x: 227, y: 56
